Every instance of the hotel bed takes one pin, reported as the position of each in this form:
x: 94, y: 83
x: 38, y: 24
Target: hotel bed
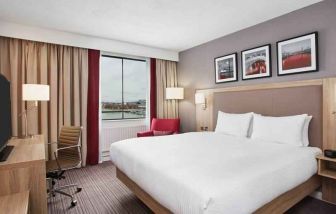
x: 212, y: 172
x: 208, y: 172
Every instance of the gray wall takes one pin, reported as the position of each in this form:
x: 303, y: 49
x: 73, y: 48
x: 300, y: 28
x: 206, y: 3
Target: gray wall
x: 196, y: 65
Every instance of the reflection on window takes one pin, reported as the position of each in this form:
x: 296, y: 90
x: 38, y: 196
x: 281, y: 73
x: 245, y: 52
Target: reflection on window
x: 123, y: 88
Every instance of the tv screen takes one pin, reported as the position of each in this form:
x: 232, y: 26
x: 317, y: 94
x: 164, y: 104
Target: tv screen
x: 5, y: 112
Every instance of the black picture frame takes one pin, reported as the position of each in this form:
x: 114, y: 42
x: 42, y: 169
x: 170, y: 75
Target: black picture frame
x: 267, y: 47
x: 235, y: 68
x: 314, y: 36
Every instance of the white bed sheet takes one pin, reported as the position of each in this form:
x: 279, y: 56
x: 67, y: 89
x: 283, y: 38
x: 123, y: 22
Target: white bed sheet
x: 207, y: 172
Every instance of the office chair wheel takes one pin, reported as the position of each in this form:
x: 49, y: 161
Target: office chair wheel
x: 73, y: 203
x: 79, y: 189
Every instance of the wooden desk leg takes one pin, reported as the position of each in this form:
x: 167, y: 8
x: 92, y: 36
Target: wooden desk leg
x: 329, y: 190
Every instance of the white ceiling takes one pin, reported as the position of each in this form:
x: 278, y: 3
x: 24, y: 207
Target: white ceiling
x: 168, y: 24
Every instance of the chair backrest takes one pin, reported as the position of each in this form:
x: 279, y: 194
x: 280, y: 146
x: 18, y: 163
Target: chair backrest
x: 70, y: 136
x: 166, y: 125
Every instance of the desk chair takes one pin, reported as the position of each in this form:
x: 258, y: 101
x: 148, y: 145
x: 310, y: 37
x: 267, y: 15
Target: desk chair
x: 67, y: 156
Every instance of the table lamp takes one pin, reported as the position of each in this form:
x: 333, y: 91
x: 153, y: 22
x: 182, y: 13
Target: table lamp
x: 33, y: 92
x: 174, y: 93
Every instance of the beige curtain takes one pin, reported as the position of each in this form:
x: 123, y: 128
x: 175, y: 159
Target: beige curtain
x: 166, y: 76
x: 64, y: 68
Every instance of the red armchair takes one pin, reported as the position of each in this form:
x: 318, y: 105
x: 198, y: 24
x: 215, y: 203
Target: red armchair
x: 159, y: 126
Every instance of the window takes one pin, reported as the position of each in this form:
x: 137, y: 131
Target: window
x: 123, y: 88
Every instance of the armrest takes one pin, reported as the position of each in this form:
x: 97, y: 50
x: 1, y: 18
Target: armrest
x: 145, y: 134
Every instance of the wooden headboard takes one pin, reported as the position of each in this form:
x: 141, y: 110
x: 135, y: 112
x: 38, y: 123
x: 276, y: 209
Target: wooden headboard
x: 314, y: 97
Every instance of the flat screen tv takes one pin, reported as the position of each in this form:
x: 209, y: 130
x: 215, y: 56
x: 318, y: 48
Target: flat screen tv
x: 5, y: 114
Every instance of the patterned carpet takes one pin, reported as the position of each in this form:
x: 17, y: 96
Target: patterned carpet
x: 103, y: 193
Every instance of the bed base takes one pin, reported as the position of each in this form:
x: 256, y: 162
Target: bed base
x: 288, y: 199
x: 279, y: 205
x: 155, y: 206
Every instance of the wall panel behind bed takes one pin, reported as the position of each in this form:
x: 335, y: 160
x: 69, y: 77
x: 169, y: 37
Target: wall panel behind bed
x: 276, y: 102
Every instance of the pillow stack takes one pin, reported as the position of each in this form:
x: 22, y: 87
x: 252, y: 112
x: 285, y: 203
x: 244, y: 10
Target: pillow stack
x: 291, y: 130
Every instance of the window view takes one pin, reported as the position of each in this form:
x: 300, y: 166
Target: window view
x: 123, y: 88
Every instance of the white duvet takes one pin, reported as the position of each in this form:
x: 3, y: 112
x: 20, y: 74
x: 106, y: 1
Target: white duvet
x: 208, y: 172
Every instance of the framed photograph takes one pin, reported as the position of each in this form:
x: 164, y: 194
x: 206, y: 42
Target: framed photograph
x: 256, y: 62
x: 226, y: 68
x: 298, y: 55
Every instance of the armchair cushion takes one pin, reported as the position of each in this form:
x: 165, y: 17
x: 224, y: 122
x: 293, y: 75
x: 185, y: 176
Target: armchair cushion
x: 162, y: 127
x: 145, y: 134
x: 161, y: 133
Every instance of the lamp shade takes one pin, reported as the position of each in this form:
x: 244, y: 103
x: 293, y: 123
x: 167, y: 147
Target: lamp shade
x: 199, y: 98
x: 174, y: 93
x: 35, y: 92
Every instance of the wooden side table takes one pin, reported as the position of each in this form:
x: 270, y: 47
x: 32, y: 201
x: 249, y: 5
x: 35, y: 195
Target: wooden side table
x: 327, y: 169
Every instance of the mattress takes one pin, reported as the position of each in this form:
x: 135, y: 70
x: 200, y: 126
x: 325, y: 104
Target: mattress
x: 207, y: 172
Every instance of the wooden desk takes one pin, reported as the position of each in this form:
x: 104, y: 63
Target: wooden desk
x: 25, y: 170
x: 16, y: 203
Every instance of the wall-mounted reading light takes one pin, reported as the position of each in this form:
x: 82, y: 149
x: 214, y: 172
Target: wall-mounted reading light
x: 200, y: 99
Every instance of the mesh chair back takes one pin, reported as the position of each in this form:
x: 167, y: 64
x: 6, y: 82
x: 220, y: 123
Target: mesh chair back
x: 70, y: 136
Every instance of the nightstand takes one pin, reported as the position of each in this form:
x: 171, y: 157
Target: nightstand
x: 327, y: 169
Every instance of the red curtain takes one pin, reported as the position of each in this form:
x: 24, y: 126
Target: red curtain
x: 93, y: 108
x: 152, y: 95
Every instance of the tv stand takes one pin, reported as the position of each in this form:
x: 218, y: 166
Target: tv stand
x: 5, y: 153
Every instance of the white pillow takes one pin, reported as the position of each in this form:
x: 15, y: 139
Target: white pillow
x: 233, y: 124
x: 305, y: 136
x: 286, y: 130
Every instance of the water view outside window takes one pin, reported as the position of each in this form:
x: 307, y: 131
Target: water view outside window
x: 123, y: 88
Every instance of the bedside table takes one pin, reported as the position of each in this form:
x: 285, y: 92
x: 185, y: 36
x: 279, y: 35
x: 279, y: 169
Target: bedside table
x: 327, y: 169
